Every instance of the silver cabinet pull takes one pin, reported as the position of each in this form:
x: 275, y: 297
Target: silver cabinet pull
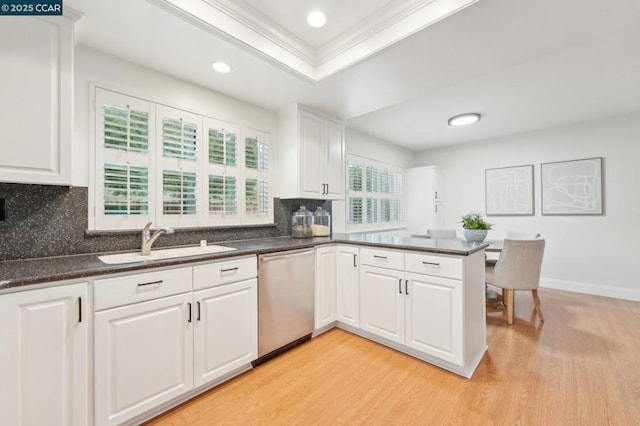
x: 379, y: 257
x: 150, y: 283
x: 400, y: 286
x: 198, y: 317
x: 229, y: 269
x: 354, y: 260
x: 406, y: 287
x: 431, y: 263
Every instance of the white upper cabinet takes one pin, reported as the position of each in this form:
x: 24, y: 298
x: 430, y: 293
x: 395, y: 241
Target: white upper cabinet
x: 36, y: 82
x: 311, y: 156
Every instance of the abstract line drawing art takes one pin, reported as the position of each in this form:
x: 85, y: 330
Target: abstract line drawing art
x: 572, y: 187
x: 509, y: 191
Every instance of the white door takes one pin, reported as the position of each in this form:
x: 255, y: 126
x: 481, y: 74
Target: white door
x: 226, y: 329
x: 348, y: 285
x: 313, y: 155
x: 143, y: 357
x: 335, y: 162
x: 434, y: 316
x: 43, y: 356
x: 325, y: 287
x: 382, y: 302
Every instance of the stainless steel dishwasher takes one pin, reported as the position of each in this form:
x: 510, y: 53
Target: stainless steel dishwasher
x: 285, y: 301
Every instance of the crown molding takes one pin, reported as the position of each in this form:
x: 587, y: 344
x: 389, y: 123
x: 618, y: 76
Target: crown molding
x: 378, y: 21
x: 252, y: 18
x: 244, y: 26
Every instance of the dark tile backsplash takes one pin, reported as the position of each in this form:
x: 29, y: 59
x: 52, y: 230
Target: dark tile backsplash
x: 43, y: 220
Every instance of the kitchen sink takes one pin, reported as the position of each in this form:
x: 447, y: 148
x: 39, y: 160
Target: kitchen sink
x: 170, y: 253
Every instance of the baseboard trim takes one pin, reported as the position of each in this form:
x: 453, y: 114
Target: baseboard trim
x: 593, y: 289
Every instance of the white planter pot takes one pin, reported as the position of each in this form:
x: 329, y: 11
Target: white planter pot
x: 475, y: 235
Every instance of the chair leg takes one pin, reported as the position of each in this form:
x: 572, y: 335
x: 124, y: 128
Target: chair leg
x: 508, y: 300
x: 536, y: 302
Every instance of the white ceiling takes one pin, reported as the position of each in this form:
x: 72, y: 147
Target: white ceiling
x: 524, y: 65
x: 291, y: 15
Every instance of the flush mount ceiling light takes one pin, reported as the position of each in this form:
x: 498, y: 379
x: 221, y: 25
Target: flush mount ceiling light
x: 221, y: 67
x: 464, y: 119
x: 316, y: 19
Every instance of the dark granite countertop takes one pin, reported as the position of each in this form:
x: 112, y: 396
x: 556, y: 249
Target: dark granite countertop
x: 25, y: 272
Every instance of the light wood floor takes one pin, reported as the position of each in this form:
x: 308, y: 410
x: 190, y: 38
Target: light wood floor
x: 580, y: 367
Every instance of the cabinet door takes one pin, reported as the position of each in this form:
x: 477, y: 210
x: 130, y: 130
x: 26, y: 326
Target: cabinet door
x: 36, y: 82
x: 226, y: 329
x: 43, y: 358
x: 348, y: 285
x: 335, y: 163
x: 143, y: 357
x: 313, y: 156
x: 382, y: 302
x: 325, y: 287
x: 434, y: 316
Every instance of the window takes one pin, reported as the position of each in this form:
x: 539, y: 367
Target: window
x: 375, y: 199
x: 175, y: 168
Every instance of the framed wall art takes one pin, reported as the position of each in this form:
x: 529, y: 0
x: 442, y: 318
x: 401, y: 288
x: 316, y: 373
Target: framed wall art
x: 509, y: 191
x: 572, y: 187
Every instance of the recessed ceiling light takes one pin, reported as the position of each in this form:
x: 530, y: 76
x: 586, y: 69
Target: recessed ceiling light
x: 221, y: 67
x: 316, y: 19
x: 464, y: 119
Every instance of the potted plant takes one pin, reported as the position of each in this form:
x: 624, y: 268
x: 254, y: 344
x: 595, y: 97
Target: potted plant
x: 474, y: 227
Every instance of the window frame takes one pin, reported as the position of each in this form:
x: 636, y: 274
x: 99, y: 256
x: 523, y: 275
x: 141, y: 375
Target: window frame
x: 396, y: 175
x: 156, y: 163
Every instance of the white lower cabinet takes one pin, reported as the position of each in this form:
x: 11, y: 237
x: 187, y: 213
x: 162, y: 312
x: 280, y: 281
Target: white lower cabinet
x: 348, y: 285
x: 44, y: 337
x: 156, y: 339
x: 143, y: 357
x: 226, y: 329
x: 422, y: 311
x: 434, y: 316
x: 325, y: 287
x: 382, y: 302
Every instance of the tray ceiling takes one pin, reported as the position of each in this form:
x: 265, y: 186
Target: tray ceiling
x: 277, y: 29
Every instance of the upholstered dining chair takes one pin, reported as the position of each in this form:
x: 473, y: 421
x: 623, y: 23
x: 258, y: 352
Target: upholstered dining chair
x: 517, y: 235
x: 442, y: 233
x: 518, y: 268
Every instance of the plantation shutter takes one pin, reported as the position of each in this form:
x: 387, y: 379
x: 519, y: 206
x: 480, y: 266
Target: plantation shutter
x: 126, y: 190
x: 375, y: 195
x: 222, y: 168
x: 177, y: 167
x: 178, y: 193
x: 123, y: 194
x: 258, y: 200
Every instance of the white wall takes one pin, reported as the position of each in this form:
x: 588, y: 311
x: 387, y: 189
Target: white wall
x: 591, y: 254
x: 368, y: 146
x: 365, y: 145
x: 92, y: 66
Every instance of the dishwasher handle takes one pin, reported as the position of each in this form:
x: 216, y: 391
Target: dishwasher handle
x: 288, y: 254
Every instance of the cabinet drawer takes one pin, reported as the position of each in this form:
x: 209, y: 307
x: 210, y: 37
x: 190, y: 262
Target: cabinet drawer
x: 111, y: 292
x: 382, y: 258
x: 228, y: 271
x: 441, y: 266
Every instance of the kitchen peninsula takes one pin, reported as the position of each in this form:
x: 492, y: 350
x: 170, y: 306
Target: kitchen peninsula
x: 422, y: 297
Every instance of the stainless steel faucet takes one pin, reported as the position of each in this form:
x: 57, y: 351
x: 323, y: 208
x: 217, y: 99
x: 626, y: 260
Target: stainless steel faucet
x: 148, y: 240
